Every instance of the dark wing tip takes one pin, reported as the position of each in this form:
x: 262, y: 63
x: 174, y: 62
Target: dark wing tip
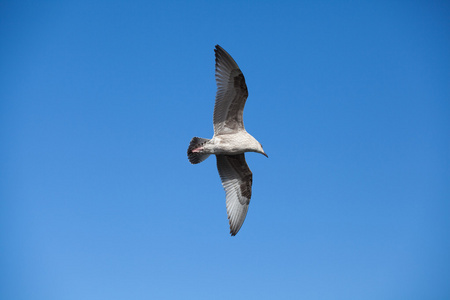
x: 233, y: 231
x: 219, y: 53
x: 225, y: 57
x: 218, y: 49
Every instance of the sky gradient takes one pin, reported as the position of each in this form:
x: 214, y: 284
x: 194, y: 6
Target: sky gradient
x: 98, y: 103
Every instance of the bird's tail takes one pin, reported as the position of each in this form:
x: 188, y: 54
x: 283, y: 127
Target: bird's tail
x: 195, y: 144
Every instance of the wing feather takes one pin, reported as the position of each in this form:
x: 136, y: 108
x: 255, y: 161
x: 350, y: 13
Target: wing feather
x: 231, y: 94
x: 237, y: 181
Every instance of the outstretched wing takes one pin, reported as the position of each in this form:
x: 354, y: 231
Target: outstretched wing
x: 237, y: 181
x: 231, y: 94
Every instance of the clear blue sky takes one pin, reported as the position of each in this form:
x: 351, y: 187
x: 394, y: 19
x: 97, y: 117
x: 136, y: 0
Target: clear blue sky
x: 98, y: 102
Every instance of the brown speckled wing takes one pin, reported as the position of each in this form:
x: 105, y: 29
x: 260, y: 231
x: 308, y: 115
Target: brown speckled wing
x: 231, y: 94
x: 237, y: 181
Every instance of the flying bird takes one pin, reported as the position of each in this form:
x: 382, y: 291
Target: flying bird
x: 230, y: 140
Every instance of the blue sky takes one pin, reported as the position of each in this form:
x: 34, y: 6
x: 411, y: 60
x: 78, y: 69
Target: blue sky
x: 98, y: 102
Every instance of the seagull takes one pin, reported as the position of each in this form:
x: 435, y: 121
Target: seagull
x: 230, y: 140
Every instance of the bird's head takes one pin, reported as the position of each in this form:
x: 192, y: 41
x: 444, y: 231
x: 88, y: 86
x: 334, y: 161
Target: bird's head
x: 254, y: 145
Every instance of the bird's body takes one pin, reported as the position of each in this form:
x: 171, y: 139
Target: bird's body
x: 230, y: 140
x: 234, y: 143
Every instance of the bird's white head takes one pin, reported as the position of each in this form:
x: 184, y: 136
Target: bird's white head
x: 256, y: 146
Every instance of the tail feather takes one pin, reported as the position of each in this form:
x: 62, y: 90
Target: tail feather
x: 196, y: 157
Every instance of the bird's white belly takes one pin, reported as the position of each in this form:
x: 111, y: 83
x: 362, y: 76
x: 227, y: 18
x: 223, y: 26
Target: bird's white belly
x: 230, y: 144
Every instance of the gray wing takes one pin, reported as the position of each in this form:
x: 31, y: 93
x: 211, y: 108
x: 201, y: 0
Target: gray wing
x: 231, y: 94
x: 237, y: 181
